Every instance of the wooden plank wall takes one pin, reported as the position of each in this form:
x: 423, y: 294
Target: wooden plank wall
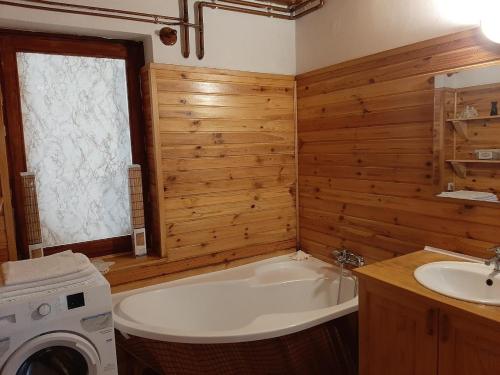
x: 366, y: 168
x: 222, y: 156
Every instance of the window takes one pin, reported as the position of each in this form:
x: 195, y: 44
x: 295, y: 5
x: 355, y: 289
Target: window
x: 77, y: 142
x: 73, y: 119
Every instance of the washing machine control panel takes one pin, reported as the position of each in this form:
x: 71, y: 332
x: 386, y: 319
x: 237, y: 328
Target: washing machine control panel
x: 50, y: 307
x: 44, y: 309
x: 74, y: 301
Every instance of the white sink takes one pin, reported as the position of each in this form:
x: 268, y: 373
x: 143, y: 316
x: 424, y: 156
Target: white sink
x: 473, y: 282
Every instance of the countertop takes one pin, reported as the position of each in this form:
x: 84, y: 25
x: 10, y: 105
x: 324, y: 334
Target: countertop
x: 398, y: 272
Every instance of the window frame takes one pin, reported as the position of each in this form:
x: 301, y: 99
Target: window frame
x: 12, y: 42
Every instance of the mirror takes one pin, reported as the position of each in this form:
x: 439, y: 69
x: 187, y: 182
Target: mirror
x: 467, y: 135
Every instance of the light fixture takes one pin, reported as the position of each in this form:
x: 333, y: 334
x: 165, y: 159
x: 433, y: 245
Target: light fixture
x: 490, y: 20
x: 491, y: 29
x: 460, y: 12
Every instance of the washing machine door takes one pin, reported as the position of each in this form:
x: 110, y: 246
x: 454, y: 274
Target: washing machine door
x: 56, y: 353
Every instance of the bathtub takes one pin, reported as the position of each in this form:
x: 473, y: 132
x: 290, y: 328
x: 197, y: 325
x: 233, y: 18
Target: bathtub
x: 258, y: 301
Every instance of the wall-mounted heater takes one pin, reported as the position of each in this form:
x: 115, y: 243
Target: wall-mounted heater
x: 33, y: 227
x: 137, y: 210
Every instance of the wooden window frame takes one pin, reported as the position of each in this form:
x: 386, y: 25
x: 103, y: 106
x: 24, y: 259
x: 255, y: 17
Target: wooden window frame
x: 11, y: 42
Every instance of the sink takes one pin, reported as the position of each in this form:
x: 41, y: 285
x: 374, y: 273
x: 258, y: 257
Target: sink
x: 472, y: 282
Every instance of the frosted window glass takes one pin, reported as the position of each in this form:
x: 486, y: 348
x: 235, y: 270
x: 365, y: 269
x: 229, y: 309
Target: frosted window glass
x: 77, y: 138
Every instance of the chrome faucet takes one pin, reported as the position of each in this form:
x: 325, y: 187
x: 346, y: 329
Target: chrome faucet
x: 495, y: 260
x: 344, y: 256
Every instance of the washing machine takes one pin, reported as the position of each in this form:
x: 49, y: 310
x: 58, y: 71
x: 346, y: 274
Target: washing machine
x: 57, y: 327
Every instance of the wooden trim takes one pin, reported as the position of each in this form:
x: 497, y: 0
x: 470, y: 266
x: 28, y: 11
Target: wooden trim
x: 71, y: 45
x: 96, y: 248
x: 473, y: 32
x: 12, y: 42
x: 15, y: 144
x: 240, y: 73
x: 438, y: 140
x: 6, y: 195
x: 296, y: 143
x: 134, y: 64
x: 157, y: 161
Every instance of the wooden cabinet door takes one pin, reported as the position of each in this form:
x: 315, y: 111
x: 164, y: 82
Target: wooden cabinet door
x: 398, y: 332
x: 467, y: 346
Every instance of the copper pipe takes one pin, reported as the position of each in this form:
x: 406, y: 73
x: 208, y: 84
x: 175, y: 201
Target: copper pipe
x: 184, y: 28
x: 200, y: 31
x: 320, y: 4
x: 156, y: 19
x: 199, y: 5
x: 289, y: 10
x: 240, y: 6
x: 244, y: 10
x: 294, y: 7
x: 257, y: 5
x: 99, y: 9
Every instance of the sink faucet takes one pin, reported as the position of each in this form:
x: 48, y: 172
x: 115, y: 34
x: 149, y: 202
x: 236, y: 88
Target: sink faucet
x: 344, y: 256
x: 495, y: 260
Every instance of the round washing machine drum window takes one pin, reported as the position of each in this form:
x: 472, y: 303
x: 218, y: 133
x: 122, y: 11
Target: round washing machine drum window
x: 56, y: 360
x: 57, y: 353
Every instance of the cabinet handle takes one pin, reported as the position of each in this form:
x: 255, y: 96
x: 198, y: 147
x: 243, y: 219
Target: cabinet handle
x: 444, y: 328
x: 430, y: 322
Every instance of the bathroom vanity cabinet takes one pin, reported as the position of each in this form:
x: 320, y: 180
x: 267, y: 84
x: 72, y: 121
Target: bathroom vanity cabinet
x: 408, y: 329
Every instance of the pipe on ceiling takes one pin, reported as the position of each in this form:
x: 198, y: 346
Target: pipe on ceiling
x: 56, y: 6
x: 254, y: 7
x: 289, y: 13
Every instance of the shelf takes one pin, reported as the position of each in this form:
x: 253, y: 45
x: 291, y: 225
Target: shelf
x: 460, y: 124
x: 460, y: 166
x: 473, y: 161
x: 467, y: 202
x: 481, y: 118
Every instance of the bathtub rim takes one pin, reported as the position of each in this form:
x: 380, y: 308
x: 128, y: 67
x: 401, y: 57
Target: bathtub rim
x: 304, y: 320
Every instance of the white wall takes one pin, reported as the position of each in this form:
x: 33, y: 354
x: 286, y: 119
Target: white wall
x: 348, y: 29
x: 232, y: 40
x: 471, y: 77
x: 341, y: 31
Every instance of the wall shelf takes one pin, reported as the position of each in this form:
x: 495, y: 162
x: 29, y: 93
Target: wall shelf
x: 460, y: 166
x: 460, y: 124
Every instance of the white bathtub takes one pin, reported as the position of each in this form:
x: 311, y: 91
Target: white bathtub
x: 262, y: 300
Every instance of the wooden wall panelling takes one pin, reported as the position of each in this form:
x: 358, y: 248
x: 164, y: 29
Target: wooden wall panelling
x: 222, y: 145
x: 366, y: 165
x: 7, y: 232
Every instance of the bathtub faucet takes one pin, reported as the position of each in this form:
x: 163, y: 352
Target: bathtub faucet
x: 344, y: 256
x: 496, y: 259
